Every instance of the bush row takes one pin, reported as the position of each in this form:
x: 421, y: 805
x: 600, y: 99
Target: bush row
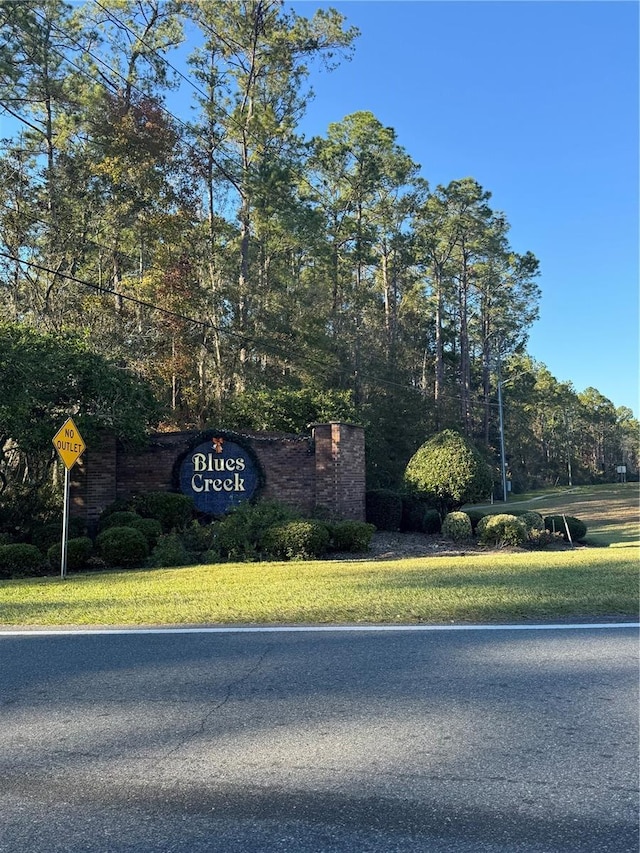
x: 127, y: 538
x: 393, y: 510
x: 525, y: 529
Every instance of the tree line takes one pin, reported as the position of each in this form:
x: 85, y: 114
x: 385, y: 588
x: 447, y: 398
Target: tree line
x: 256, y: 279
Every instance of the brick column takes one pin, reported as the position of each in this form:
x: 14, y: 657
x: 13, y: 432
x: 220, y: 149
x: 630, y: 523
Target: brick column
x: 93, y: 482
x: 340, y: 469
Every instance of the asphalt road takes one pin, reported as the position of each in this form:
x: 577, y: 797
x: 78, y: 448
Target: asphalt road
x: 447, y: 742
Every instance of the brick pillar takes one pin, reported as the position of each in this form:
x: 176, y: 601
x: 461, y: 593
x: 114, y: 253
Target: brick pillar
x: 93, y: 481
x: 340, y: 469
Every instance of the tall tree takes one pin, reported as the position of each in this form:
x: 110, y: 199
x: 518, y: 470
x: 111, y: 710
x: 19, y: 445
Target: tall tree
x: 257, y: 60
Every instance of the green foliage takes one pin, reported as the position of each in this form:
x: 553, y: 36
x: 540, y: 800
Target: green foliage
x: 199, y: 538
x: 302, y: 539
x: 122, y: 546
x: 21, y: 560
x: 289, y: 410
x: 481, y: 525
x: 418, y: 516
x: 556, y: 524
x: 47, y: 375
x: 119, y: 505
x: 31, y: 514
x: 456, y: 526
x: 170, y: 551
x: 115, y: 516
x: 502, y: 529
x: 121, y: 518
x: 351, y: 536
x: 538, y: 540
x: 51, y: 532
x: 343, y: 283
x: 150, y: 528
x: 413, y: 514
x: 475, y: 515
x: 79, y: 549
x: 174, y: 511
x: 240, y: 534
x: 532, y: 521
x: 432, y: 521
x: 449, y: 471
x: 384, y: 509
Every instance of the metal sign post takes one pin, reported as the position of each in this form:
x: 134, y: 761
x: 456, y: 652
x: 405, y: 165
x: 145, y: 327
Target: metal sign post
x: 70, y: 446
x: 65, y: 525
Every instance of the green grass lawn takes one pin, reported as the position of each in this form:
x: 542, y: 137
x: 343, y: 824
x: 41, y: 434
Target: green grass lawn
x: 489, y: 587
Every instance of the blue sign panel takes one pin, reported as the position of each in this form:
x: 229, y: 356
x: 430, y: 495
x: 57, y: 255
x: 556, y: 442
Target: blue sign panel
x: 218, y: 475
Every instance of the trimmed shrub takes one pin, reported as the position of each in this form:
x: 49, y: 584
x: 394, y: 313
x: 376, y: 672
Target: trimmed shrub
x: 384, y: 509
x: 449, y: 472
x: 538, y: 540
x: 150, y: 528
x: 351, y: 536
x: 121, y: 518
x: 456, y: 526
x: 532, y: 521
x: 413, y: 512
x: 503, y: 529
x: 239, y: 535
x: 46, y: 535
x: 122, y: 546
x: 432, y: 521
x: 418, y: 516
x: 119, y: 505
x: 482, y: 524
x: 297, y: 540
x: 170, y: 551
x: 199, y: 538
x: 21, y: 560
x: 173, y: 511
x: 555, y: 524
x: 78, y: 553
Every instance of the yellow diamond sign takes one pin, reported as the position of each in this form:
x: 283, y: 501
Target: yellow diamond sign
x: 69, y: 444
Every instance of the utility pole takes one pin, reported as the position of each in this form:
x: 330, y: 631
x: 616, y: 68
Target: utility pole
x: 503, y: 461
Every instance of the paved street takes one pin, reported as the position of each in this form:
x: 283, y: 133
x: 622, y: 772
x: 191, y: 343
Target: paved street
x: 447, y: 742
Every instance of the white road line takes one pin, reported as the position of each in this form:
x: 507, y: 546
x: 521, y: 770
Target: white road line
x: 295, y: 629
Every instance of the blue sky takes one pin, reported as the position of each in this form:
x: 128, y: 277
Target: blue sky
x: 538, y: 101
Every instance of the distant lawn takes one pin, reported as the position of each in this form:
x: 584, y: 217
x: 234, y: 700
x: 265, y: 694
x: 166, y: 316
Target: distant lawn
x: 611, y: 512
x: 498, y: 586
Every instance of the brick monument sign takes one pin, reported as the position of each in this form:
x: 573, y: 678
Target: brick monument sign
x: 218, y: 469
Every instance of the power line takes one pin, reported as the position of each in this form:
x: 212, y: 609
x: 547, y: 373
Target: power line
x: 243, y: 339
x: 101, y: 289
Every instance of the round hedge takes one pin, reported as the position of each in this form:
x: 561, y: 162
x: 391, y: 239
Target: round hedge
x: 120, y: 518
x: 297, y: 540
x: 532, y: 520
x: 21, y: 560
x: 449, y: 472
x: 351, y: 536
x: 456, y: 526
x: 78, y: 552
x: 122, y: 546
x: 556, y: 524
x: 502, y: 529
x: 150, y: 528
x: 174, y: 511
